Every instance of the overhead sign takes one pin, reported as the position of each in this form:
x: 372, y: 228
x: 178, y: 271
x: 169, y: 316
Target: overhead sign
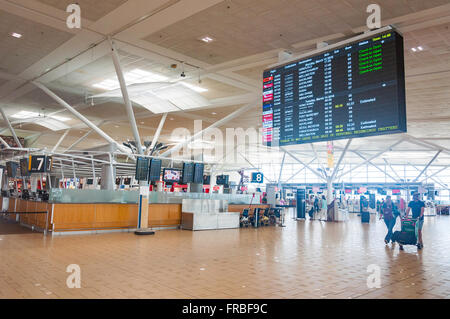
x: 352, y: 91
x: 40, y: 164
x: 257, y: 178
x: 142, y: 168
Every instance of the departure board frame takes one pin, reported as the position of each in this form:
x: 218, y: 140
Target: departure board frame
x: 297, y: 115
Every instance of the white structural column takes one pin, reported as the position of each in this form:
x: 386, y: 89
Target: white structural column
x: 79, y: 116
x: 158, y: 133
x: 333, y: 176
x: 61, y: 139
x: 4, y: 143
x: 126, y: 97
x: 281, y: 170
x: 8, y: 123
x: 226, y: 119
x: 428, y: 165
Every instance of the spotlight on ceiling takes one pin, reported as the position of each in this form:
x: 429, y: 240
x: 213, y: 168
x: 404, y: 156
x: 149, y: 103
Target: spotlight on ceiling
x: 16, y: 35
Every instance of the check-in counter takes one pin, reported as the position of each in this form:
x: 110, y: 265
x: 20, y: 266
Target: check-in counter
x: 95, y: 210
x: 206, y: 214
x: 33, y: 214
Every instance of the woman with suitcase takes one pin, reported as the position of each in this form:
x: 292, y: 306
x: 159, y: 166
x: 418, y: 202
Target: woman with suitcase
x: 387, y: 213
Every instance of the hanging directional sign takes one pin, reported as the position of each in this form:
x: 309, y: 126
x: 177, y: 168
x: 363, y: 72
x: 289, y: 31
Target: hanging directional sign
x: 257, y: 178
x: 40, y: 164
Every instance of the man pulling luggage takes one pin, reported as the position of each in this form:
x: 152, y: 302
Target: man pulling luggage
x: 418, y: 209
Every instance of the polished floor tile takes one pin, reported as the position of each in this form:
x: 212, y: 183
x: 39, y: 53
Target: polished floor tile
x: 306, y: 259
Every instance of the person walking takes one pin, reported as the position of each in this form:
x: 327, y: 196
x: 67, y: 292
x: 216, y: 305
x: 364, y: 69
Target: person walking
x: 316, y: 207
x: 418, y: 209
x: 324, y: 208
x: 387, y: 213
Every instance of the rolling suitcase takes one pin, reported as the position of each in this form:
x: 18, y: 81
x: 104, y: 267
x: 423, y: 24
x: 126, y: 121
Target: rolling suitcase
x: 365, y: 217
x: 407, y: 236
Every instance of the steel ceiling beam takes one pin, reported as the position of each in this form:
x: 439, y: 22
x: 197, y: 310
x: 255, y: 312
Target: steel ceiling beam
x: 158, y: 133
x: 61, y: 139
x: 428, y: 165
x: 79, y: 116
x: 385, y: 173
x: 221, y: 122
x: 8, y: 123
x: 301, y: 162
x: 372, y: 157
x: 126, y: 97
x: 335, y: 170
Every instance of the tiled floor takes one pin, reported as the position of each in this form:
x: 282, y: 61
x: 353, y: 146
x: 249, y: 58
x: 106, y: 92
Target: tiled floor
x: 307, y: 259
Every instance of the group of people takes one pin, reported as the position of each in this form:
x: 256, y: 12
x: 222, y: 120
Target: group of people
x: 319, y: 207
x: 389, y: 212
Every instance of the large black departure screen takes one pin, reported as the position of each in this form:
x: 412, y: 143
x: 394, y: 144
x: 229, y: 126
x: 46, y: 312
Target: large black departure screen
x: 353, y: 91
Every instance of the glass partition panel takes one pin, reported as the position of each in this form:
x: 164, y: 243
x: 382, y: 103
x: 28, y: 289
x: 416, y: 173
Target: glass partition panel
x: 79, y: 196
x: 72, y: 196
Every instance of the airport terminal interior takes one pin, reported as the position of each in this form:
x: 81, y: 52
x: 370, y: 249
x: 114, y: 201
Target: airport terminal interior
x: 224, y: 149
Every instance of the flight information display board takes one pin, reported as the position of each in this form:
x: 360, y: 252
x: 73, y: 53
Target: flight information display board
x: 353, y: 91
x: 142, y: 169
x: 198, y: 173
x: 155, y: 170
x: 188, y: 173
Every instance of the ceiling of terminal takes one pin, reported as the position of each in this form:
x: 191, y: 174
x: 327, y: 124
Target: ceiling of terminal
x: 153, y: 36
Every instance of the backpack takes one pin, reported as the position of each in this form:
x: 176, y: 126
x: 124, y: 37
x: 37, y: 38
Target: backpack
x: 388, y: 211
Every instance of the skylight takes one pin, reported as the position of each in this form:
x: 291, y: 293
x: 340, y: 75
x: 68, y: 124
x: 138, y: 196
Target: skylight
x: 194, y: 87
x: 131, y: 77
x: 29, y: 115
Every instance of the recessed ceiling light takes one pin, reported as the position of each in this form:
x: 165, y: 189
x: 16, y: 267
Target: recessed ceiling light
x: 414, y: 49
x: 213, y: 113
x: 207, y: 39
x: 16, y: 35
x: 420, y: 48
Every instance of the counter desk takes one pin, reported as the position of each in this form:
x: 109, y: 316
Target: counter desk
x: 94, y: 211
